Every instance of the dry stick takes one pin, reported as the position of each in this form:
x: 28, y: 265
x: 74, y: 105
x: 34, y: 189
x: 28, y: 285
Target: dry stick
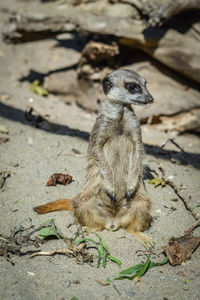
x: 175, y: 188
x: 175, y: 144
x: 171, y: 183
x: 192, y: 228
x: 52, y: 252
x: 179, y: 147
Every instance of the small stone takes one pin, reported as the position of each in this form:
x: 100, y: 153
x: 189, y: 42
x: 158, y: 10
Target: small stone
x: 3, y: 129
x: 13, y: 164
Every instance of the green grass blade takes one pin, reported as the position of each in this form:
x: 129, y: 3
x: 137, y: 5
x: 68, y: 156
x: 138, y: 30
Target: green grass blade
x: 144, y: 269
x: 103, y: 243
x: 115, y: 259
x: 104, y: 262
x: 100, y: 254
x: 155, y: 264
x: 84, y: 240
x: 131, y: 270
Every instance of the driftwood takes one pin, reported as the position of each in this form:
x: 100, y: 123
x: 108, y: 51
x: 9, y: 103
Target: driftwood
x: 159, y: 11
x: 175, y: 50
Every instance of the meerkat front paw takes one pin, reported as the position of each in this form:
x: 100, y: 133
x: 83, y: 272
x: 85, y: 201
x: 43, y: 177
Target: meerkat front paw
x: 144, y: 239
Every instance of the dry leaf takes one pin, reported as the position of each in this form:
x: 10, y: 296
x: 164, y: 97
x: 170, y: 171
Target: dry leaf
x: 180, y: 249
x: 60, y: 179
x: 156, y: 181
x: 3, y: 140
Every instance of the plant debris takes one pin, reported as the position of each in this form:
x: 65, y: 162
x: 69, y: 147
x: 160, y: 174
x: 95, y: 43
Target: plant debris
x: 37, y: 89
x: 180, y: 249
x: 103, y: 251
x: 21, y: 237
x: 156, y: 181
x: 59, y: 178
x: 18, y: 239
x: 4, y: 140
x: 79, y: 252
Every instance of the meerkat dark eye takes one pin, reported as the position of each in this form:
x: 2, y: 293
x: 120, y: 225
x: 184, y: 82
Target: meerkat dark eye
x: 132, y: 87
x: 107, y: 85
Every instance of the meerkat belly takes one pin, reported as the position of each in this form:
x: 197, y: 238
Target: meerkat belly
x: 119, y: 153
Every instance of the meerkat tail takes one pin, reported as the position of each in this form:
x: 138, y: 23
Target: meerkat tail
x: 60, y: 204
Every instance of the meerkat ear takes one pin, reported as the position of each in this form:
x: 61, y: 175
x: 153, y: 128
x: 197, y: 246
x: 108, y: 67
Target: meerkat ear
x: 107, y: 85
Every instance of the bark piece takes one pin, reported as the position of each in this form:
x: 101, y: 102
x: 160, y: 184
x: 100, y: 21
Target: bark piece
x: 59, y: 178
x: 94, y: 56
x: 97, y: 52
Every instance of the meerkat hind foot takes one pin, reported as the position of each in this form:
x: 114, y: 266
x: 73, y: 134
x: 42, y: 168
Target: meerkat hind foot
x: 144, y: 239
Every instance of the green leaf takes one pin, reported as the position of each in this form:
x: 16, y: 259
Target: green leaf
x: 115, y: 259
x: 187, y: 281
x: 132, y: 269
x: 48, y: 231
x: 49, y: 222
x: 138, y: 270
x: 139, y: 273
x: 108, y: 280
x: 37, y: 89
x: 156, y: 181
x: 155, y: 264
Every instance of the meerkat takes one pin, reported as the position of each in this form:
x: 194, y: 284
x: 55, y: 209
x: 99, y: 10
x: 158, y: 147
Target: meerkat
x: 113, y: 195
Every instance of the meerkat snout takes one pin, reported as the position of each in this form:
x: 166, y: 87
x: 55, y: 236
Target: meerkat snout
x: 126, y: 87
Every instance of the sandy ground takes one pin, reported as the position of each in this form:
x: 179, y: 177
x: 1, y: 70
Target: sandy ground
x: 33, y: 154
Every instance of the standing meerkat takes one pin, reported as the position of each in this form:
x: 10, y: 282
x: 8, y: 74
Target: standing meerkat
x: 113, y: 195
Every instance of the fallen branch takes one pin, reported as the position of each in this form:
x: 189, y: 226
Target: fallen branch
x: 176, y: 190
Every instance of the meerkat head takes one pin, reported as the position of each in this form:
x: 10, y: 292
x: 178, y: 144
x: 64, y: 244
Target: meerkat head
x: 126, y: 87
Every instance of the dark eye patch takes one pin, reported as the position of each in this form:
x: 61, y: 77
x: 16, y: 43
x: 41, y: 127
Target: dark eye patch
x: 107, y: 85
x: 132, y: 87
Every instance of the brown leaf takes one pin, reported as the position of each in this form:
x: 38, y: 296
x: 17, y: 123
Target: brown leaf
x: 3, y: 140
x: 180, y: 249
x: 60, y: 179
